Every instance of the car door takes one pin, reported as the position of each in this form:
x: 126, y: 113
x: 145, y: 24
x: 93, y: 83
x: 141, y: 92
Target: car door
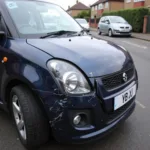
x: 106, y: 25
x: 101, y: 24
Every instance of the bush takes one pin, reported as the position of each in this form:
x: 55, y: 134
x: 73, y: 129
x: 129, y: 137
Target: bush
x: 134, y: 16
x: 84, y: 14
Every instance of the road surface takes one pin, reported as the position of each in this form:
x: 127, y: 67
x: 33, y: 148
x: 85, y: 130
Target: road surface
x: 134, y: 134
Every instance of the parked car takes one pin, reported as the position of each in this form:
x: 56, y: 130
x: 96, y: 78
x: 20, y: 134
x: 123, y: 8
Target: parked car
x: 83, y: 23
x: 114, y: 25
x: 57, y: 83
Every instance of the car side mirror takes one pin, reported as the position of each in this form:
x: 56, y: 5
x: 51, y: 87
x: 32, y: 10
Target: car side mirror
x: 107, y: 22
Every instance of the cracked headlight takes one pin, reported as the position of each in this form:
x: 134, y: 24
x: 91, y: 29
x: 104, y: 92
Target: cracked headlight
x: 69, y: 78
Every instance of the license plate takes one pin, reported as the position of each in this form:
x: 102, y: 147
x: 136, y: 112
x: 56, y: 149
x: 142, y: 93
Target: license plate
x: 125, y: 30
x: 125, y: 97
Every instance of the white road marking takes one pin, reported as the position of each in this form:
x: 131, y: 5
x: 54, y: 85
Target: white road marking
x: 141, y: 105
x: 136, y: 45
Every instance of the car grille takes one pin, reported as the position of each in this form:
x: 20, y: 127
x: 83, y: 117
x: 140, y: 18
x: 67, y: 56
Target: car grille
x: 118, y: 113
x: 116, y: 80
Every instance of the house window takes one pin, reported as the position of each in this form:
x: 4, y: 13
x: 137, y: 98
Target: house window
x: 128, y: 1
x: 100, y: 6
x: 106, y: 5
x: 95, y: 7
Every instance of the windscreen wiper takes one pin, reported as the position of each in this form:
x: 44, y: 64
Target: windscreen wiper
x: 58, y: 33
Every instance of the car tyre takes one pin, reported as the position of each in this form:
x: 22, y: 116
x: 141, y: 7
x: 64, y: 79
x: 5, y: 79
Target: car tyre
x: 110, y: 34
x: 99, y: 32
x: 30, y: 121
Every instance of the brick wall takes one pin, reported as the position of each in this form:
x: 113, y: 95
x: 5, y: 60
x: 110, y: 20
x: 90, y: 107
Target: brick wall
x: 139, y: 4
x: 147, y: 3
x: 133, y: 4
x: 100, y: 12
x: 116, y: 6
x: 128, y: 5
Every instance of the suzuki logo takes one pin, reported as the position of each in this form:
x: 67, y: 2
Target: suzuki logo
x: 125, y: 78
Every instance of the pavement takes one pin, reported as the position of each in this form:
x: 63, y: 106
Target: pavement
x: 133, y: 134
x: 141, y: 36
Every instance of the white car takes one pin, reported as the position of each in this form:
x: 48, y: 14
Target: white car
x: 83, y: 23
x: 114, y: 25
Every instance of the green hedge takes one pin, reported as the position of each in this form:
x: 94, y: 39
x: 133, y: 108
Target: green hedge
x: 134, y: 16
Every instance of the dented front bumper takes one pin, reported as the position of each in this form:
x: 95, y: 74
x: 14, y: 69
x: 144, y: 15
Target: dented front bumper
x: 61, y: 110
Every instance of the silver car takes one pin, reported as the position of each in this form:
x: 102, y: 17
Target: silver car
x: 83, y: 23
x: 114, y: 25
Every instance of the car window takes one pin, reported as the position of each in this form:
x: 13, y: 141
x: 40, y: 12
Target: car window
x: 82, y: 21
x: 107, y: 20
x: 38, y: 18
x: 117, y: 19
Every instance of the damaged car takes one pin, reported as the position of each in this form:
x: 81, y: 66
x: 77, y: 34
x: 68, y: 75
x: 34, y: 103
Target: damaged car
x: 56, y: 80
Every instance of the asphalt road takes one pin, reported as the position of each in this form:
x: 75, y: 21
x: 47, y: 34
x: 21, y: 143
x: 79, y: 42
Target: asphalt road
x: 134, y: 134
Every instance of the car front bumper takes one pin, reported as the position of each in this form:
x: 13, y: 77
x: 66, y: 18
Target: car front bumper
x: 121, y: 32
x: 104, y: 131
x: 61, y: 110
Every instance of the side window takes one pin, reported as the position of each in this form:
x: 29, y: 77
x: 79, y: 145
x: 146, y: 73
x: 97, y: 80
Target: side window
x: 103, y: 19
x: 107, y: 20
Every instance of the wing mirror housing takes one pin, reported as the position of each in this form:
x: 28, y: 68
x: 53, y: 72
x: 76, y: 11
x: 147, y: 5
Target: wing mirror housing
x: 107, y: 22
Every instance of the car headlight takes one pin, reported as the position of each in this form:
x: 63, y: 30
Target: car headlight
x: 69, y: 78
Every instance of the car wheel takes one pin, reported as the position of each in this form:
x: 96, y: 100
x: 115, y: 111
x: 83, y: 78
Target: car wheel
x: 99, y: 32
x: 30, y: 121
x: 110, y: 33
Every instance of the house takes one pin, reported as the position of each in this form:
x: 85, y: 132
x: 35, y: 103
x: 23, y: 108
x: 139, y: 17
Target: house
x: 105, y: 6
x: 136, y: 3
x: 77, y: 8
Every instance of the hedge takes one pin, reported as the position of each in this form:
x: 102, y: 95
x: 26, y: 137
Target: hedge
x: 135, y: 17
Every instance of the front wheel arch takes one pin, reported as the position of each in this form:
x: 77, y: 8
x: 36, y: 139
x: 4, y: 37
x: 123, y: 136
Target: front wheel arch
x: 16, y: 82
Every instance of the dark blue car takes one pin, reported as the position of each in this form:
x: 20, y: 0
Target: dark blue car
x: 57, y: 80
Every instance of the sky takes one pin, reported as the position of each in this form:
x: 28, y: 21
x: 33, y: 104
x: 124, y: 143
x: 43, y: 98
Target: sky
x: 66, y: 3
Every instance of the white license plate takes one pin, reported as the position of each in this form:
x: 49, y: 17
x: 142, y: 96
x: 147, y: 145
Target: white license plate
x: 125, y: 97
x: 125, y: 30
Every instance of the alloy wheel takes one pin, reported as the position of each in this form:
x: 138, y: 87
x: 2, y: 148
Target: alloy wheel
x: 110, y: 33
x: 18, y: 116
